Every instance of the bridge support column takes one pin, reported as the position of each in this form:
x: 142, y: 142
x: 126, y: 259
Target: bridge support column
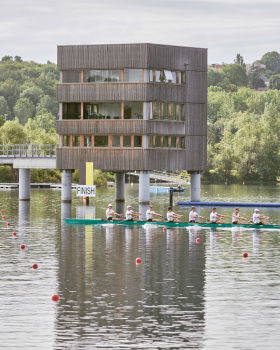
x: 195, y: 186
x: 24, y: 184
x: 66, y: 191
x: 144, y: 187
x: 119, y: 192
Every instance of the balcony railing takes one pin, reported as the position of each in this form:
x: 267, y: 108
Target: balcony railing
x: 28, y: 151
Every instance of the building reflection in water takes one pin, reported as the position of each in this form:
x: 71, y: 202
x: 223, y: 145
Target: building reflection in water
x: 108, y: 299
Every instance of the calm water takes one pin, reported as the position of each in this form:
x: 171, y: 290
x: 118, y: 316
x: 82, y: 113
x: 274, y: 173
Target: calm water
x: 183, y: 295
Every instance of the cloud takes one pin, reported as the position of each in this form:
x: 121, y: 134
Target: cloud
x: 32, y: 29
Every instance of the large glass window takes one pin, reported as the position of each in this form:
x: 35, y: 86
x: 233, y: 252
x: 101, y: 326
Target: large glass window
x: 100, y: 141
x: 116, y: 141
x: 181, y: 143
x: 156, y: 110
x: 127, y: 141
x: 173, y: 142
x: 102, y: 76
x: 133, y: 110
x: 151, y: 141
x: 71, y: 111
x: 76, y: 141
x: 164, y: 110
x: 66, y: 141
x: 137, y: 141
x: 87, y: 141
x: 133, y: 75
x: 157, y: 141
x: 179, y: 112
x: 71, y: 76
x: 172, y: 112
x: 165, y: 141
x: 102, y: 110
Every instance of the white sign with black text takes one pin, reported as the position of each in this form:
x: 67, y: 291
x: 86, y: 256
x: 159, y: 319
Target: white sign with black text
x: 86, y: 191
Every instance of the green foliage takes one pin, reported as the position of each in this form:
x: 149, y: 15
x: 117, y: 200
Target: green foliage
x: 2, y: 120
x: 271, y: 60
x: 239, y: 60
x: 12, y: 132
x: 274, y: 82
x: 235, y: 74
x: 4, y: 108
x: 99, y: 177
x: 33, y: 93
x: 45, y: 120
x: 23, y: 110
x: 48, y: 103
x: 45, y: 176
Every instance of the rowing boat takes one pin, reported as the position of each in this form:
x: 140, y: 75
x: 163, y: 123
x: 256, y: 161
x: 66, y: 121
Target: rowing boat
x: 164, y: 224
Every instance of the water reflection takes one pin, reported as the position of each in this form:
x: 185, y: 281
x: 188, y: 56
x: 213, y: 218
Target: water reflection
x: 106, y: 296
x: 66, y: 210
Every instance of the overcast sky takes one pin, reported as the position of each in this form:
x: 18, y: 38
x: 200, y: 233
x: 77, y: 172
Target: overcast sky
x: 33, y: 28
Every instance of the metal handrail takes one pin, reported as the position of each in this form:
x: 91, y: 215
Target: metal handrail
x: 28, y: 150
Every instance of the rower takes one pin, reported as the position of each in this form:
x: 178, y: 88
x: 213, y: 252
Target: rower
x: 110, y: 212
x: 193, y: 216
x: 236, y: 216
x: 257, y: 218
x: 150, y: 213
x: 131, y: 215
x: 171, y: 216
x: 214, y: 217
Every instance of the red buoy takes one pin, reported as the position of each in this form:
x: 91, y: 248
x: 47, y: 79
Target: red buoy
x: 47, y: 198
x: 245, y: 255
x: 56, y: 210
x: 22, y: 246
x: 14, y: 233
x: 55, y: 297
x: 1, y: 212
x: 8, y: 224
x: 138, y: 261
x: 164, y: 229
x: 35, y: 266
x: 4, y: 217
x: 198, y: 240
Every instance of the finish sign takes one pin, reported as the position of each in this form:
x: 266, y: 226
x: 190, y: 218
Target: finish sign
x: 86, y: 191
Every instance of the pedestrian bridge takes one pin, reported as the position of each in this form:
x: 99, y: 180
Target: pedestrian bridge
x: 29, y: 156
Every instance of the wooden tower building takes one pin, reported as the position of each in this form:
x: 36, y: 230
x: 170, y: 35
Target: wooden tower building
x: 133, y: 107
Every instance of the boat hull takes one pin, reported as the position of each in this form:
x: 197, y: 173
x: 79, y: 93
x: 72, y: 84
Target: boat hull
x: 164, y: 224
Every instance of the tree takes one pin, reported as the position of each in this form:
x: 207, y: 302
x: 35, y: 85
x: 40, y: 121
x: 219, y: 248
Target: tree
x: 45, y: 121
x: 17, y: 59
x: 12, y: 132
x: 48, y: 103
x: 4, y: 108
x: 7, y: 59
x: 235, y: 74
x: 239, y: 60
x: 33, y: 93
x: 274, y: 82
x: 23, y: 110
x: 255, y: 81
x: 271, y: 60
x: 214, y: 78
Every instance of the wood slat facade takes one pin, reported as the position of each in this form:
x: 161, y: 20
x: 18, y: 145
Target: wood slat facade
x: 192, y: 93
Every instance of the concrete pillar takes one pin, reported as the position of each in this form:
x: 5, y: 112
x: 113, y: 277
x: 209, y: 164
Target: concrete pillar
x: 24, y: 184
x: 144, y: 187
x: 120, y: 192
x: 66, y: 191
x: 66, y: 209
x: 195, y: 186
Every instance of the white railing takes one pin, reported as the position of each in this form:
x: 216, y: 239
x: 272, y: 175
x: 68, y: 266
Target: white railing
x: 27, y: 150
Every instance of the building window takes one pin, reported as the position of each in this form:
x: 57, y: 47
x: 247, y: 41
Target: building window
x: 164, y: 111
x: 102, y: 110
x: 173, y: 142
x: 133, y: 110
x: 71, y: 111
x: 100, y: 141
x: 165, y: 141
x: 87, y: 141
x: 172, y: 112
x: 167, y: 76
x: 127, y: 141
x: 66, y: 141
x: 137, y: 141
x: 181, y: 143
x: 167, y: 111
x: 157, y: 141
x: 102, y: 76
x: 133, y: 75
x: 151, y: 141
x: 76, y: 141
x: 116, y: 141
x: 156, y: 110
x: 71, y: 76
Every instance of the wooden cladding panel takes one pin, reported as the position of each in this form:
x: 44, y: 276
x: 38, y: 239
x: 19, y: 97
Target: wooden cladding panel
x: 175, y: 58
x: 119, y: 127
x: 196, y: 153
x: 123, y: 159
x: 115, y: 56
x: 196, y: 119
x: 121, y: 92
x: 111, y: 56
x: 197, y: 87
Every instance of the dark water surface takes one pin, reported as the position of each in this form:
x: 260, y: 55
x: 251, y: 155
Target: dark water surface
x: 184, y: 294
